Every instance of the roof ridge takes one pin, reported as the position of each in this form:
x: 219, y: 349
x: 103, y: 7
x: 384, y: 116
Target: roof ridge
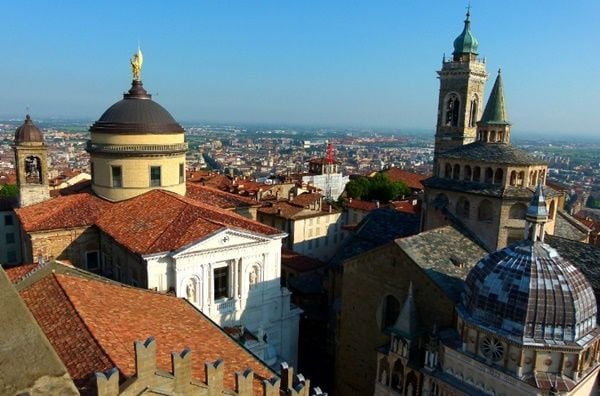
x: 106, y: 354
x: 168, y: 227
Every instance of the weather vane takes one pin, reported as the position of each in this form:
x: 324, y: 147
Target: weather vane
x: 136, y: 64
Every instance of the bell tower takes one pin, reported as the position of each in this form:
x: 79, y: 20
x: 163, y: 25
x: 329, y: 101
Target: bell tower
x: 31, y: 161
x: 460, y: 103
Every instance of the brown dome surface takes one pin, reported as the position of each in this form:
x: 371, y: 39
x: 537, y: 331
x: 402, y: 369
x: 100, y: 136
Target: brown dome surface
x: 28, y: 132
x: 136, y: 113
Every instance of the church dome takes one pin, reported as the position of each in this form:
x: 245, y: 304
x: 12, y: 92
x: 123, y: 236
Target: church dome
x: 136, y: 113
x: 28, y: 132
x: 528, y: 292
x: 466, y: 43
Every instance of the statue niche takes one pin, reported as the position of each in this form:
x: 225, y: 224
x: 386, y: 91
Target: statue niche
x: 33, y: 170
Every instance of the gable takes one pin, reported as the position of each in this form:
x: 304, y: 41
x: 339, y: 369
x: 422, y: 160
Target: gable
x: 222, y: 239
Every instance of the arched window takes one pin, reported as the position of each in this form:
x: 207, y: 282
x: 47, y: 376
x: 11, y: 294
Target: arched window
x: 384, y: 371
x: 397, y: 375
x: 535, y: 178
x: 391, y: 310
x: 492, y: 136
x: 33, y: 170
x: 521, y: 178
x: 552, y: 210
x: 477, y: 174
x: 468, y: 173
x: 463, y: 207
x: 498, y: 176
x: 456, y: 172
x: 485, y: 211
x: 448, y: 171
x: 452, y: 110
x: 517, y: 211
x: 473, y: 111
x: 489, y: 175
x: 513, y: 178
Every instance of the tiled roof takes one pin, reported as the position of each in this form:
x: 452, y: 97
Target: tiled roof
x: 217, y: 181
x: 566, y: 226
x: 160, y: 221
x: 306, y: 199
x: 282, y: 209
x: 15, y: 274
x: 379, y: 227
x: 359, y: 204
x: 406, y: 207
x: 497, y: 153
x: 445, y: 254
x: 218, y: 198
x: 298, y: 261
x: 492, y: 190
x: 412, y: 180
x: 92, y: 324
x: 507, y: 289
x: 77, y: 210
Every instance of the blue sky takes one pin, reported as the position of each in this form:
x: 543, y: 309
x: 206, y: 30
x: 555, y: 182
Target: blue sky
x: 354, y: 63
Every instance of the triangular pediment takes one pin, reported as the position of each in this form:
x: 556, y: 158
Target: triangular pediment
x: 222, y: 239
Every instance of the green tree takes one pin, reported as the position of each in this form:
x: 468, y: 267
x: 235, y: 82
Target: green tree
x: 592, y: 203
x: 378, y: 187
x: 8, y: 191
x: 358, y: 188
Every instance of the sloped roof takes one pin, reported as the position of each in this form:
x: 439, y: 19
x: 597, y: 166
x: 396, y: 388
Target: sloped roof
x: 159, y: 221
x: 412, y: 180
x: 299, y: 262
x: 497, y: 153
x: 495, y: 109
x: 567, y: 226
x: 92, y: 324
x: 70, y: 211
x: 446, y: 255
x: 218, y: 198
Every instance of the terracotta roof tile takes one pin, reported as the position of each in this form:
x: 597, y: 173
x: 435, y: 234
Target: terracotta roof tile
x: 306, y: 199
x: 219, y: 198
x: 412, y: 180
x: 15, y: 274
x: 159, y: 221
x: 299, y: 262
x: 77, y: 210
x: 362, y: 205
x: 94, y: 323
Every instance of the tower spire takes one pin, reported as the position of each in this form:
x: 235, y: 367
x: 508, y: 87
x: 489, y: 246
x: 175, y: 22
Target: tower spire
x: 495, y: 109
x: 406, y: 324
x: 536, y: 216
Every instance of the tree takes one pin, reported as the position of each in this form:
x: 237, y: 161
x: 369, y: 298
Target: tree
x: 378, y: 187
x: 9, y: 191
x: 592, y: 203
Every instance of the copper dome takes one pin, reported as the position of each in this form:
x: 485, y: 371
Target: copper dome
x: 136, y: 113
x: 28, y: 132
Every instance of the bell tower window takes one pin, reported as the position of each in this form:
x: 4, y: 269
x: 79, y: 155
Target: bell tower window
x: 33, y: 170
x: 473, y: 112
x: 452, y: 111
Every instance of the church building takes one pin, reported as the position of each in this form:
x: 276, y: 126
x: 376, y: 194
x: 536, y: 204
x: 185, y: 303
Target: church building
x: 139, y: 223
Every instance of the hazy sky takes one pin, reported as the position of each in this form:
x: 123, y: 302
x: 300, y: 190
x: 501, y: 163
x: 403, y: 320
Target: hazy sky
x: 356, y: 63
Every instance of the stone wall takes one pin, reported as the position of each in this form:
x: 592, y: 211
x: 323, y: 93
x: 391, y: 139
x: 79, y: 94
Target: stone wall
x: 66, y: 244
x: 368, y: 279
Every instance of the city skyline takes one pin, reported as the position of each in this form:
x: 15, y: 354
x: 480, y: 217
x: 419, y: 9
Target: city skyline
x: 353, y: 65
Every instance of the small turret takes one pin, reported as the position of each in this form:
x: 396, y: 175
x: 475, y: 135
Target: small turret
x: 536, y: 216
x: 465, y: 45
x: 494, y: 126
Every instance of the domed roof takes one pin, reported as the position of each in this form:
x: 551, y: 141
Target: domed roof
x: 136, y: 113
x: 28, y: 132
x: 528, y: 292
x: 466, y: 43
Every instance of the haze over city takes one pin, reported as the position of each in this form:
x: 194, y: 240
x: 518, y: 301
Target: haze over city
x: 359, y: 64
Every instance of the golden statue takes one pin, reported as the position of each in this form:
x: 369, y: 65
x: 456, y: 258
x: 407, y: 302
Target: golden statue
x: 136, y: 64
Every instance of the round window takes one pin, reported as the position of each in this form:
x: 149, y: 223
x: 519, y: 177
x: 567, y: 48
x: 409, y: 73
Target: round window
x: 492, y: 348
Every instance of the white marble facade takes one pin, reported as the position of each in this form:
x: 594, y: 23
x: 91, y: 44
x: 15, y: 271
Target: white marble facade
x: 233, y: 277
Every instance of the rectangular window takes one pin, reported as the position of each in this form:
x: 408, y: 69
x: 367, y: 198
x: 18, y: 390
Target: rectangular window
x: 155, y: 176
x: 92, y: 260
x: 10, y: 238
x: 181, y: 173
x: 8, y: 220
x: 117, y: 176
x: 221, y: 282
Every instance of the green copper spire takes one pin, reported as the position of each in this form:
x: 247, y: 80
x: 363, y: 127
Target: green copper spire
x: 495, y: 109
x: 466, y: 43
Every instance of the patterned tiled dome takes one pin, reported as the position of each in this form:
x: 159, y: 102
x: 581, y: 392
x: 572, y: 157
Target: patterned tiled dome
x: 527, y: 291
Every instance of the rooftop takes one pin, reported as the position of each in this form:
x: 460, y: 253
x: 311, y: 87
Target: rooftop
x: 496, y: 153
x: 488, y: 189
x: 92, y: 323
x: 412, y: 180
x: 446, y: 255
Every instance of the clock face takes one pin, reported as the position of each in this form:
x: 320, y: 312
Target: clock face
x: 492, y: 348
